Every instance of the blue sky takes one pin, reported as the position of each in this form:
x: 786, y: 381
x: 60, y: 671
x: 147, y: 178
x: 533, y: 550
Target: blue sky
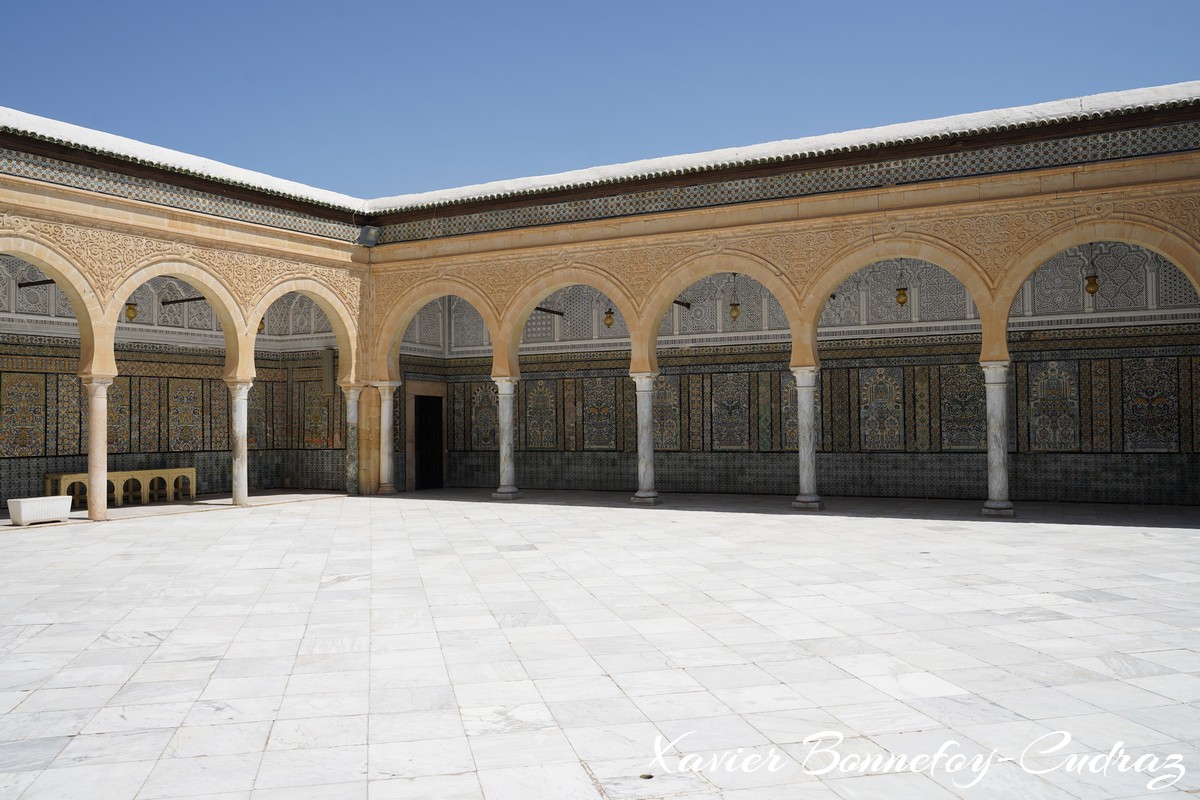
x: 388, y: 98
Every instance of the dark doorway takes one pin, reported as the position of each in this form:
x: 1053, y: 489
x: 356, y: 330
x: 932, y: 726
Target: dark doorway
x: 427, y: 440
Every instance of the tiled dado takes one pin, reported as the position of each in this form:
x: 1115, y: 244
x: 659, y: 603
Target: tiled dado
x: 268, y: 469
x: 1005, y: 158
x: 1055, y: 477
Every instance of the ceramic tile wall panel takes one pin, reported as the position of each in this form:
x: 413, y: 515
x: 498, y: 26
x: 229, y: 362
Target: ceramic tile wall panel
x: 881, y: 410
x: 1054, y: 406
x: 600, y: 413
x: 936, y: 400
x: 964, y: 407
x: 1151, y: 405
x: 120, y: 413
x: 666, y: 413
x: 167, y: 407
x: 22, y: 414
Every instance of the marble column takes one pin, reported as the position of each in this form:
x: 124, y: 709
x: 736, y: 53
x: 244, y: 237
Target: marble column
x: 352, y: 393
x: 97, y: 484
x: 806, y: 438
x: 240, y: 391
x: 995, y: 378
x: 387, y: 444
x: 508, y: 465
x: 644, y: 383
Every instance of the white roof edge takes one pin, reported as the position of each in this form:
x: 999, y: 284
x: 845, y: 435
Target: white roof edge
x: 925, y: 130
x: 153, y: 155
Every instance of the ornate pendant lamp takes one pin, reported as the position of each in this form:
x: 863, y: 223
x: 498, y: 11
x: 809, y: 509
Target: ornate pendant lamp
x: 1093, y: 278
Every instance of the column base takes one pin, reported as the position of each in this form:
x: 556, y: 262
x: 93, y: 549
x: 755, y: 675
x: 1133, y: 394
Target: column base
x: 998, y: 508
x: 808, y: 502
x: 386, y: 488
x: 646, y: 499
x: 506, y: 493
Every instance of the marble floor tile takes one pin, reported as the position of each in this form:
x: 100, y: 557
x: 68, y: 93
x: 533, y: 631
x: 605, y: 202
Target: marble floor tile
x: 237, y: 738
x: 525, y: 749
x: 120, y: 781
x: 605, y: 742
x: 570, y: 782
x: 420, y: 757
x: 112, y: 748
x: 30, y: 754
x: 304, y: 767
x: 318, y: 733
x: 178, y: 777
x: 437, y: 645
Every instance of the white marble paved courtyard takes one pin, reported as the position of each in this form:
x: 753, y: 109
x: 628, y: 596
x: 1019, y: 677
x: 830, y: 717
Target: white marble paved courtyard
x: 437, y: 646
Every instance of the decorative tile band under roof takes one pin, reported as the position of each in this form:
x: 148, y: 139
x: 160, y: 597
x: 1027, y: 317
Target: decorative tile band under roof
x: 1092, y: 107
x: 1083, y: 149
x: 1179, y: 137
x: 79, y: 176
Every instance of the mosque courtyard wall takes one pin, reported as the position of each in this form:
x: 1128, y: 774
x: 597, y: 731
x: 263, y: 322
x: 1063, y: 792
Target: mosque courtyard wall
x: 1016, y: 319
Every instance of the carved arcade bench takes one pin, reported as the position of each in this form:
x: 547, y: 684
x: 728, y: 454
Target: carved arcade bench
x: 61, y: 483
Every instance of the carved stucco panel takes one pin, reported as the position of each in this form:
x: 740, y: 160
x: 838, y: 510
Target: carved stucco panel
x: 391, y: 286
x: 993, y: 240
x: 1181, y: 212
x: 639, y: 268
x: 107, y: 255
x: 111, y: 256
x: 799, y: 255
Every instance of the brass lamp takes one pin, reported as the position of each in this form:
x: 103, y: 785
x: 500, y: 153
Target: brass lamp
x: 735, y: 305
x: 608, y: 318
x: 1093, y: 277
x: 262, y: 324
x: 131, y: 311
x: 902, y: 295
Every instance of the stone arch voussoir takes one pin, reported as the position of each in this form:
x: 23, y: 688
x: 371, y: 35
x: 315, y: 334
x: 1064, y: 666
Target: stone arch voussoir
x: 679, y: 276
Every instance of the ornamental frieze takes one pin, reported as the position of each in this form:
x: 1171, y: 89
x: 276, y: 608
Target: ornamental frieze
x: 1181, y: 212
x: 499, y: 280
x: 799, y: 255
x: 639, y: 268
x: 991, y: 240
x: 109, y: 257
x: 389, y: 287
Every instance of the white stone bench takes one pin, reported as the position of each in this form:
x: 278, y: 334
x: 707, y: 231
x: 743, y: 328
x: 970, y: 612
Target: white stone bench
x: 40, y: 509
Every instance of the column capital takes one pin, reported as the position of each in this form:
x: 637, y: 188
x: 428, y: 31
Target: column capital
x: 384, y: 385
x: 643, y: 381
x: 239, y: 388
x: 97, y: 384
x: 995, y: 371
x: 352, y: 392
x: 506, y: 385
x: 806, y: 376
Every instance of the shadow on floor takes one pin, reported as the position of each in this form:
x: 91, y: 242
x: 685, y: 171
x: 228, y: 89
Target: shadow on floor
x: 869, y: 507
x: 213, y: 502
x: 1146, y: 516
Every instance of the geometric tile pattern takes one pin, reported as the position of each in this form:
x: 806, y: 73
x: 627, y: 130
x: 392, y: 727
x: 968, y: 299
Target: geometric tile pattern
x: 166, y: 403
x: 991, y: 160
